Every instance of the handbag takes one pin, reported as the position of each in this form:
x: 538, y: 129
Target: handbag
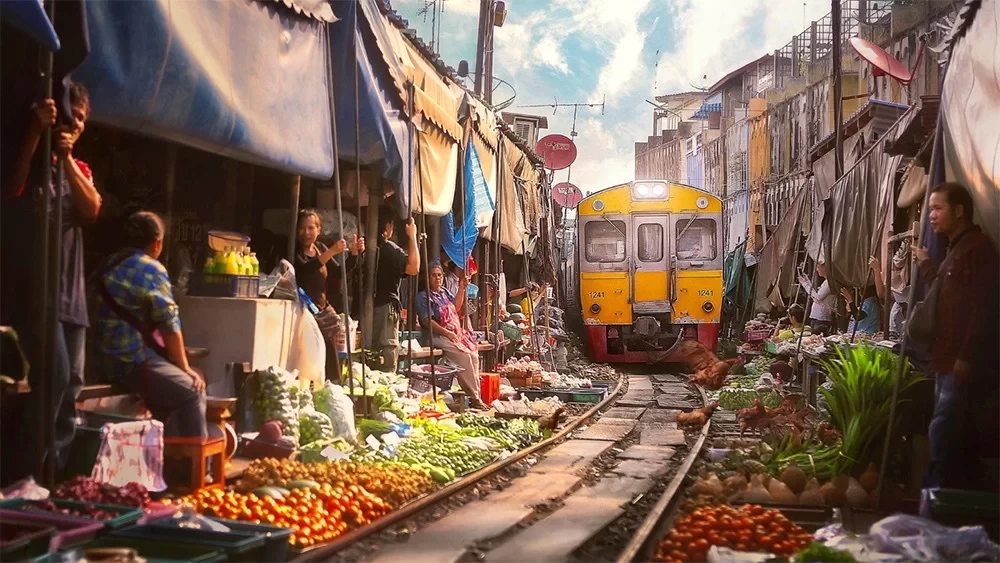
x: 923, y: 322
x: 151, y: 336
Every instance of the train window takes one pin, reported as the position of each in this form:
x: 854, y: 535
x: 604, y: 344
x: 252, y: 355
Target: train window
x: 696, y: 239
x: 650, y: 242
x: 605, y: 241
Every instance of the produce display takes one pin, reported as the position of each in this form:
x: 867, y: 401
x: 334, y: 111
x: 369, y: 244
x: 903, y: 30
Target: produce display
x: 85, y: 489
x: 316, y: 513
x: 395, y: 483
x: 819, y: 552
x: 455, y: 458
x: 273, y: 400
x: 748, y: 528
x: 86, y: 511
x: 314, y: 426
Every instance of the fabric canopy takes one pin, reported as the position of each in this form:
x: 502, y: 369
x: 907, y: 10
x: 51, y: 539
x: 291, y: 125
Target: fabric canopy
x: 970, y: 102
x: 383, y: 133
x: 510, y: 208
x: 243, y: 79
x: 859, y: 202
x: 776, y: 261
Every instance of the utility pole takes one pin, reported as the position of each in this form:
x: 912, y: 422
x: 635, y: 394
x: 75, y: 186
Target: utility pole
x: 838, y: 95
x: 484, y: 28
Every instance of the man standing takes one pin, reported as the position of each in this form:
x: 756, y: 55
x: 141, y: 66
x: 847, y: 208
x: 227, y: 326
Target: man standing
x: 81, y: 204
x: 963, y: 351
x: 392, y: 264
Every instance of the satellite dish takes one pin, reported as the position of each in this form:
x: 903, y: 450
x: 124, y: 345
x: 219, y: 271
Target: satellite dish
x: 883, y: 63
x: 557, y: 151
x: 566, y: 194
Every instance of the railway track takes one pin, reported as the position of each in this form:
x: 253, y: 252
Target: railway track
x: 598, y: 489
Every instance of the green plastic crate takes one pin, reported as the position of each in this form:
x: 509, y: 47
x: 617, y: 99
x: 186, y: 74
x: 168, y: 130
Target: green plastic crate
x: 236, y: 546
x: 34, y: 541
x: 156, y: 551
x: 127, y: 515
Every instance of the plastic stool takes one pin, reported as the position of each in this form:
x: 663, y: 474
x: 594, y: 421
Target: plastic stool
x: 489, y: 387
x: 199, y: 450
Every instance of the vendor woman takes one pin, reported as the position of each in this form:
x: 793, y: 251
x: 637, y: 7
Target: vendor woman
x: 318, y: 274
x: 442, y: 321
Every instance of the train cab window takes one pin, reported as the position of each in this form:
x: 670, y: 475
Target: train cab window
x: 696, y: 239
x: 650, y: 242
x: 605, y: 241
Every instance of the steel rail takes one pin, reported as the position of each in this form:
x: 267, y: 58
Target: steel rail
x: 641, y: 548
x: 411, y: 509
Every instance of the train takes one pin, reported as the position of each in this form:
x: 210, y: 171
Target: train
x: 649, y: 264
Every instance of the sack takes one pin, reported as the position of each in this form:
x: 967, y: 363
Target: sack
x: 332, y: 401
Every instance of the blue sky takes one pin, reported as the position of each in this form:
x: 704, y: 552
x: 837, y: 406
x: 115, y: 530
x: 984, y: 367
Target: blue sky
x: 624, y: 50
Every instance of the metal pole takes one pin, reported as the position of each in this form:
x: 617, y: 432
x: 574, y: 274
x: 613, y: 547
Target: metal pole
x: 498, y: 230
x: 170, y: 182
x: 411, y: 289
x: 46, y: 306
x: 357, y: 218
x: 484, y: 9
x: 838, y: 96
x: 464, y: 313
x: 340, y: 218
x: 293, y: 205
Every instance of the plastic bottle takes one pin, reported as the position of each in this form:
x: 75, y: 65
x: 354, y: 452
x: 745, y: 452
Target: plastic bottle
x: 254, y: 264
x: 220, y: 261
x: 209, y: 265
x: 232, y: 263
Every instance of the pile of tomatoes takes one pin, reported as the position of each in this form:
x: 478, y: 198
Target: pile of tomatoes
x: 315, y: 515
x: 748, y: 528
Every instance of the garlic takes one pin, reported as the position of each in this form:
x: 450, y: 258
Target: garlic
x: 856, y: 495
x: 735, y: 484
x: 708, y: 485
x: 781, y: 493
x: 812, y: 495
x: 832, y: 496
x: 756, y: 493
x: 794, y: 477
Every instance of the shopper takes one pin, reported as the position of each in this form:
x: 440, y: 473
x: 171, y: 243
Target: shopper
x: 793, y: 321
x: 318, y: 274
x: 823, y: 302
x: 963, y: 351
x: 81, y: 205
x: 442, y: 327
x: 868, y: 317
x: 139, y: 331
x: 392, y: 264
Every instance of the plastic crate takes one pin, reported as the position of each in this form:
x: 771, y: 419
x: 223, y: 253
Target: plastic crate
x: 275, y: 546
x: 235, y: 545
x: 24, y: 540
x: 953, y: 507
x: 224, y: 285
x: 156, y: 550
x: 126, y: 515
x: 69, y: 530
x: 489, y: 387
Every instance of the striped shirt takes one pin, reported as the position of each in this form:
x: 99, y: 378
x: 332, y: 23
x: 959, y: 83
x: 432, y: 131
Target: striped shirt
x: 141, y: 286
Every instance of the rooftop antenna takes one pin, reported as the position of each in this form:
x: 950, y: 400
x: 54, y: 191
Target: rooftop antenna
x: 436, y: 9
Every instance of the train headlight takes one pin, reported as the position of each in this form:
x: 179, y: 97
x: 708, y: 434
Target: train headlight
x: 702, y: 202
x: 595, y: 308
x: 708, y: 307
x: 649, y: 190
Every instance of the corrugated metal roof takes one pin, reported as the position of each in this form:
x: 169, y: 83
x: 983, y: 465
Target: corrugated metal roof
x: 315, y: 9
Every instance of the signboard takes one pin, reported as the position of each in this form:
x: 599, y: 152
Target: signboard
x: 765, y: 82
x: 566, y: 194
x: 558, y: 151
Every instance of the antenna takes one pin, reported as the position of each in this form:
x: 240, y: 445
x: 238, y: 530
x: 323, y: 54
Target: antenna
x: 436, y: 9
x: 883, y: 63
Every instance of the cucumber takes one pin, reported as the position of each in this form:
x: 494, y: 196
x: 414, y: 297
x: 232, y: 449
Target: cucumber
x: 272, y: 492
x: 439, y: 475
x: 303, y: 484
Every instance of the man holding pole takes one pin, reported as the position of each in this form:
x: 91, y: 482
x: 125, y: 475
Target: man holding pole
x: 392, y: 264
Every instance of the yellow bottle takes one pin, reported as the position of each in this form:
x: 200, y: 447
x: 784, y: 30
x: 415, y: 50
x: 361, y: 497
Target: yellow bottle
x: 254, y: 264
x: 220, y: 261
x: 232, y: 263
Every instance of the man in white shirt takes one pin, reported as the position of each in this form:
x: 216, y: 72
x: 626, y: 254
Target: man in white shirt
x: 823, y: 305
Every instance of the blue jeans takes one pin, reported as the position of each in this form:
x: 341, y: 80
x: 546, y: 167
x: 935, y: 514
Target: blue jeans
x: 951, y: 453
x: 74, y: 340
x: 169, y: 395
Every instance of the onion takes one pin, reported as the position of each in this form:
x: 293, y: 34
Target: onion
x: 794, y: 477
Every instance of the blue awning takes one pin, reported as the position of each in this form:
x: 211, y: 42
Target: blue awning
x: 241, y: 78
x: 383, y: 132
x: 29, y: 17
x: 706, y: 109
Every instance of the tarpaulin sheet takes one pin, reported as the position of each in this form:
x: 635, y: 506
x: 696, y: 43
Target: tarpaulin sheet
x: 913, y: 186
x: 484, y: 138
x: 859, y: 203
x: 776, y: 261
x: 825, y: 176
x: 970, y: 104
x: 29, y: 17
x: 382, y: 127
x: 510, y: 211
x: 242, y: 78
x: 736, y: 280
x: 458, y: 243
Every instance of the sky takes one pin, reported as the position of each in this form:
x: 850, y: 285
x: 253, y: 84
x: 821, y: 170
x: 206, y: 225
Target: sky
x: 621, y: 51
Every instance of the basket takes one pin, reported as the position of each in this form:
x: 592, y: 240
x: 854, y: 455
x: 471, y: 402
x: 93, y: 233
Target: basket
x: 219, y: 240
x: 224, y: 285
x: 757, y: 335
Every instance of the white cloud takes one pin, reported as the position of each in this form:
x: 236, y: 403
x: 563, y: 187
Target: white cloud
x: 548, y: 51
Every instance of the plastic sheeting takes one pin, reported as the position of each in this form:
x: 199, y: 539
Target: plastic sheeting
x: 736, y: 280
x: 383, y: 143
x: 859, y: 203
x: 243, y: 79
x: 29, y: 17
x: 510, y: 212
x: 970, y: 104
x: 458, y: 243
x: 776, y: 261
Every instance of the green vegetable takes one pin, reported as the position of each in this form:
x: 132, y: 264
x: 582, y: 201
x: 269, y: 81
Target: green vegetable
x: 439, y: 475
x: 369, y: 427
x: 818, y: 552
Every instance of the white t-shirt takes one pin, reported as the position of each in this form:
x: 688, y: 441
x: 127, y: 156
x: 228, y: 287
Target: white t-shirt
x: 823, y: 303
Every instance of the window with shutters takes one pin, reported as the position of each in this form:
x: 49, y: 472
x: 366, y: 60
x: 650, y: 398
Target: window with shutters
x: 525, y: 130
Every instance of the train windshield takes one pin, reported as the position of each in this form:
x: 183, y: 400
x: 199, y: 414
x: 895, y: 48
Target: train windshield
x: 605, y: 241
x: 650, y: 242
x: 696, y: 239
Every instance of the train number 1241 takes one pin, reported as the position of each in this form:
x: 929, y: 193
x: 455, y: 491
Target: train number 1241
x: 705, y: 293
x: 597, y: 295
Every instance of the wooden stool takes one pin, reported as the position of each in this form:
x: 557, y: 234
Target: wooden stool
x: 199, y: 450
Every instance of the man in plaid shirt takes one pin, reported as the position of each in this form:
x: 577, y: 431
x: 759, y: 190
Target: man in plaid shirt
x: 139, y: 331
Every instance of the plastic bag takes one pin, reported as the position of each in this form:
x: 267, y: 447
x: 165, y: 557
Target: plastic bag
x: 27, y: 489
x: 188, y: 518
x: 307, y: 350
x: 314, y: 426
x: 332, y: 401
x: 919, y: 539
x: 302, y: 394
x: 273, y: 400
x: 131, y: 452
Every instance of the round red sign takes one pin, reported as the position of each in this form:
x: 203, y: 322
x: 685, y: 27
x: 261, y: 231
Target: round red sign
x: 566, y: 194
x: 558, y: 151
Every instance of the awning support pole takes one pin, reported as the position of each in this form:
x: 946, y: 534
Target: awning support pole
x: 293, y: 218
